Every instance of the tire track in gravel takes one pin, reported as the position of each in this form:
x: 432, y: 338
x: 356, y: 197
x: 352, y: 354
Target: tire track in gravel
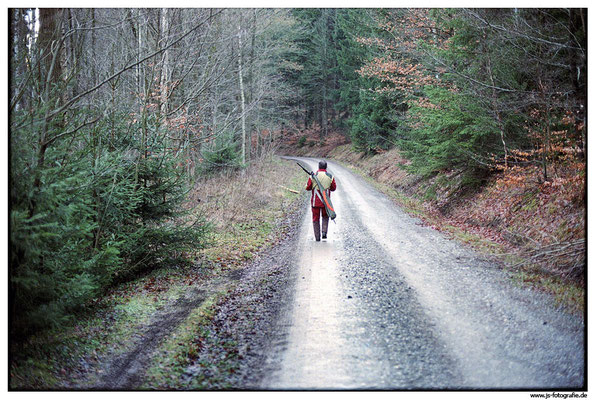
x: 126, y: 370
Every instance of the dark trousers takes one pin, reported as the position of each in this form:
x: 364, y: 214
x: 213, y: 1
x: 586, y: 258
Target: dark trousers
x: 319, y: 213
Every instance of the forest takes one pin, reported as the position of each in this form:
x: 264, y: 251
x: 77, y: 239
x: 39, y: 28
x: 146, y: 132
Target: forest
x: 116, y: 114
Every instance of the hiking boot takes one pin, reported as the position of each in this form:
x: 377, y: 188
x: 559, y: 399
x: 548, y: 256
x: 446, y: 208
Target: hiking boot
x: 325, y: 224
x: 317, y: 228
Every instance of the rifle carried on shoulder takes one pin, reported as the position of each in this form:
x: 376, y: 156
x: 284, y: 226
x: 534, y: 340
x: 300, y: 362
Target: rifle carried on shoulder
x: 326, y: 200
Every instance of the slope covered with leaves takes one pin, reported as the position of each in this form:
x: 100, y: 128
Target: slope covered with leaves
x: 537, y: 228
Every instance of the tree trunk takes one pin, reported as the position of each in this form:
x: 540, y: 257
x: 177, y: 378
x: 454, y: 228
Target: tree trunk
x: 242, y: 106
x: 165, y: 70
x: 325, y: 72
x: 20, y: 64
x: 251, y: 81
x: 49, y: 47
x: 496, y: 109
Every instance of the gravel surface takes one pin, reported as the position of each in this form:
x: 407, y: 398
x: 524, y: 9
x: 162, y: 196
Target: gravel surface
x: 387, y: 303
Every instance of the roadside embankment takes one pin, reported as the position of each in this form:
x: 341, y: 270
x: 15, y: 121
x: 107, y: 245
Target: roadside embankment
x: 535, y: 228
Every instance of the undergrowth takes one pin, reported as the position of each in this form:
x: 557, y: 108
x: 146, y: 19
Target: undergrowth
x: 74, y: 355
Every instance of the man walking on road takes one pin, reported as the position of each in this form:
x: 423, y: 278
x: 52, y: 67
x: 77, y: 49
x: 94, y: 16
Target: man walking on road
x: 316, y: 201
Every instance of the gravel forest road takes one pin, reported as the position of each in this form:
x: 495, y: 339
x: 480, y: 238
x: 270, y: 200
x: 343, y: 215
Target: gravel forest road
x: 387, y: 303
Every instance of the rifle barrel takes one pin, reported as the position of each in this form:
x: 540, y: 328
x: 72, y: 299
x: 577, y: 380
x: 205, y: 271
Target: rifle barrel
x: 305, y: 170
